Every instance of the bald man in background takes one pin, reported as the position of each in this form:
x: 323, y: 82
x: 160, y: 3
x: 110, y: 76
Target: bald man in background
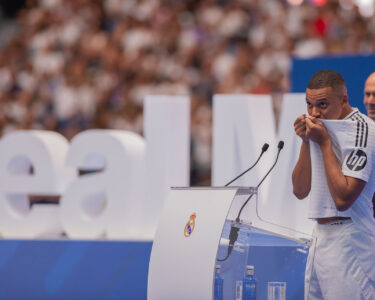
x: 369, y: 96
x: 369, y: 101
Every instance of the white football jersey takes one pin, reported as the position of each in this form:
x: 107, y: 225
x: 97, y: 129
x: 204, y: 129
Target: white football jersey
x: 353, y: 142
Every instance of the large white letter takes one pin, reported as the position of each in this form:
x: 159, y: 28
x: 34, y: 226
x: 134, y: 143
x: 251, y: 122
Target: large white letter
x: 241, y: 125
x: 109, y: 200
x: 31, y: 163
x: 167, y: 123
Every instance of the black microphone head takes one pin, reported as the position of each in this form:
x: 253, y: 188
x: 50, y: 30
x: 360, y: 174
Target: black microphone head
x: 265, y: 147
x: 280, y: 145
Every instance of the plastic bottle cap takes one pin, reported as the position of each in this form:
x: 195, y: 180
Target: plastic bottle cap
x: 217, y: 269
x: 250, y: 270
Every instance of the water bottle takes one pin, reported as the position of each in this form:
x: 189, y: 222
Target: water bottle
x: 249, y: 285
x: 218, y: 290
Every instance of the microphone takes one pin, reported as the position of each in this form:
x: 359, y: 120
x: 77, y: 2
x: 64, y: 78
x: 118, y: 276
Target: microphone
x: 233, y: 234
x: 280, y: 146
x: 264, y: 149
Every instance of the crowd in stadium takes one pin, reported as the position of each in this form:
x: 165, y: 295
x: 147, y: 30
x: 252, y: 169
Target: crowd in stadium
x: 80, y: 64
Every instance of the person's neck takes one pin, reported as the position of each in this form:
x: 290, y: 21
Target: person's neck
x: 346, y: 111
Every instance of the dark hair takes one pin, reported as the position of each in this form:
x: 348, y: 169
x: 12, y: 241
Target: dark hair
x: 326, y: 78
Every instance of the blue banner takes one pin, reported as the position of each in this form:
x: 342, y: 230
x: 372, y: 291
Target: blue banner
x: 354, y: 69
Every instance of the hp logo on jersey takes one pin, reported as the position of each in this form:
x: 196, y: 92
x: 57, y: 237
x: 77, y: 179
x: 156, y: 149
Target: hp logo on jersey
x: 357, y: 160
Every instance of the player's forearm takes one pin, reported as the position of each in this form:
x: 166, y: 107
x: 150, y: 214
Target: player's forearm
x: 301, y: 177
x: 338, y: 184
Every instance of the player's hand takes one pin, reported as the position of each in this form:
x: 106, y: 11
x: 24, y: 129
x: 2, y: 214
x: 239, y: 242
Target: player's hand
x: 300, y: 127
x: 316, y: 131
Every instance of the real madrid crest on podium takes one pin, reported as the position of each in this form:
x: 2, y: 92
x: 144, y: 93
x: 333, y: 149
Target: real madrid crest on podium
x: 190, y: 225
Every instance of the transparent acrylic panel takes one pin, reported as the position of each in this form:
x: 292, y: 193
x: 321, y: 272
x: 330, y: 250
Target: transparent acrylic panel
x: 253, y: 215
x: 233, y: 266
x: 278, y: 254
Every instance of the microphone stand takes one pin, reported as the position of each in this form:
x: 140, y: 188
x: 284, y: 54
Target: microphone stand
x: 233, y: 234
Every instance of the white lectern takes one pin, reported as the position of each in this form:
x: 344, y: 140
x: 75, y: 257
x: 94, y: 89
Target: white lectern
x: 192, y: 238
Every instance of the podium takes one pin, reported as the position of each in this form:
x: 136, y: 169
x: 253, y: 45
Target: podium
x: 193, y: 238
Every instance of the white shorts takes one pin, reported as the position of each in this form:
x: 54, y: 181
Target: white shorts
x: 341, y: 263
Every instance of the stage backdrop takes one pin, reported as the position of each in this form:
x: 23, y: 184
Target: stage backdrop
x: 354, y: 69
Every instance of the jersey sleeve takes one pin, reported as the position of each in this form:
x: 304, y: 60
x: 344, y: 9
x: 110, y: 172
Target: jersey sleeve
x: 357, y: 154
x: 357, y: 164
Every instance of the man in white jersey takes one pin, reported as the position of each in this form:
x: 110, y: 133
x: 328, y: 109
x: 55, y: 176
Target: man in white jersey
x: 369, y: 101
x: 341, y: 262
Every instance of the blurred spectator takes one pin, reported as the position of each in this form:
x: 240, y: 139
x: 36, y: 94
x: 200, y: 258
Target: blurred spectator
x: 80, y: 64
